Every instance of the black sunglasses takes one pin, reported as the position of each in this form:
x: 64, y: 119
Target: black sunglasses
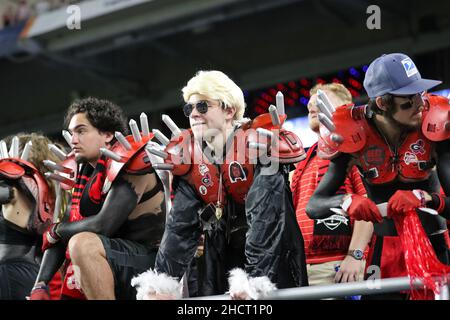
x: 412, y: 101
x: 201, y: 106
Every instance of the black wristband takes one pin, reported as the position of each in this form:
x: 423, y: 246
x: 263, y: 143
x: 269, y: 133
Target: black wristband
x: 435, y: 202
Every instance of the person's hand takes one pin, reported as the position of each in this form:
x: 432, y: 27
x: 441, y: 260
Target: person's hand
x: 159, y: 296
x: 244, y: 287
x: 349, y: 270
x: 405, y: 200
x: 241, y: 295
x: 152, y: 285
x: 50, y: 237
x: 39, y: 292
x: 362, y: 208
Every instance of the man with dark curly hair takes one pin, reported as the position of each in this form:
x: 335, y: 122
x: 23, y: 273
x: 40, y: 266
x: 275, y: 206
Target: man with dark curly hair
x: 117, y: 216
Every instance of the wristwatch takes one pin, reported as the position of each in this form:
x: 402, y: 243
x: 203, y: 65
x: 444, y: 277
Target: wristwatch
x: 356, y: 254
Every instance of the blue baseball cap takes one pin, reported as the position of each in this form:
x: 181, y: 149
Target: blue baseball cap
x: 397, y: 74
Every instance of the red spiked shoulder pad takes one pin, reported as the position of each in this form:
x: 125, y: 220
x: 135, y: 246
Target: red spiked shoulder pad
x: 263, y: 136
x: 11, y: 170
x: 177, y: 155
x: 64, y: 172
x: 132, y: 161
x: 128, y: 153
x: 266, y: 135
x: 14, y: 167
x: 436, y: 118
x: 342, y: 129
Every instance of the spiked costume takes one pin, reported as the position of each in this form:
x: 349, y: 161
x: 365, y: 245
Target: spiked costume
x: 243, y: 209
x: 26, y: 214
x: 103, y: 200
x: 349, y: 135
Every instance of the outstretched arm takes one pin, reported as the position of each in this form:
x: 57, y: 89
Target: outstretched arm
x: 404, y: 201
x: 121, y: 200
x: 351, y: 268
x: 325, y: 196
x: 52, y: 260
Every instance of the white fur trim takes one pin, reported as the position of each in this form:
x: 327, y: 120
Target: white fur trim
x: 255, y: 287
x: 151, y: 281
x: 262, y: 286
x: 238, y: 282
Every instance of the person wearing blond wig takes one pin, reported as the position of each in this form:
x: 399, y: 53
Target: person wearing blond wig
x: 252, y: 242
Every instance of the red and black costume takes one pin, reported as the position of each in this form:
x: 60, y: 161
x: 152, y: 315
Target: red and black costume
x: 20, y: 253
x: 102, y: 202
x: 246, y: 215
x: 386, y: 171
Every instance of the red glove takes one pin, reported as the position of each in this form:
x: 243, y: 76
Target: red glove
x: 362, y: 208
x: 50, y: 237
x: 40, y: 292
x: 405, y: 200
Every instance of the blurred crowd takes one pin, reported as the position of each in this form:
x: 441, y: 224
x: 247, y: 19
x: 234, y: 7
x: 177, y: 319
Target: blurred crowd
x: 13, y: 12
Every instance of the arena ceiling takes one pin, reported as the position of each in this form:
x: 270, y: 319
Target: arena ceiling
x: 140, y: 57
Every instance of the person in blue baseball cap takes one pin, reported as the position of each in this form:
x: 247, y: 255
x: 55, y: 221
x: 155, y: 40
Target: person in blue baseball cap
x: 397, y: 74
x: 396, y: 141
x: 395, y: 88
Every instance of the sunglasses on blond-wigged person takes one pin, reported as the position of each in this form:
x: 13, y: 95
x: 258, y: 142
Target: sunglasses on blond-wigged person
x: 201, y: 106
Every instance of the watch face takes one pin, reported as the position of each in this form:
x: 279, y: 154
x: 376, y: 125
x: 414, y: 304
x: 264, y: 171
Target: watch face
x: 358, y: 254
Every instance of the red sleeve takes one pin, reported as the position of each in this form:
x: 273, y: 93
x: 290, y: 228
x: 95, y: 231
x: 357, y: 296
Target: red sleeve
x: 55, y: 286
x: 294, y: 187
x: 353, y: 184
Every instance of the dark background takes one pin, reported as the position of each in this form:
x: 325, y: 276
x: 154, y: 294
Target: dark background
x: 141, y: 57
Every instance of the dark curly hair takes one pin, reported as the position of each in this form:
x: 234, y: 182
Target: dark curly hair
x: 387, y: 100
x: 104, y: 115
